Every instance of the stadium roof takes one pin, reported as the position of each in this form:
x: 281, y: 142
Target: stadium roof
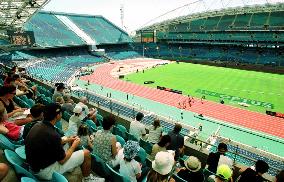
x: 14, y: 13
x: 210, y: 7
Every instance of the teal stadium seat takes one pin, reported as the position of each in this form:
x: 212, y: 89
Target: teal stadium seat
x: 58, y: 177
x: 178, y: 179
x: 115, y: 176
x: 27, y: 179
x: 147, y: 146
x: 5, y: 143
x: 131, y: 137
x: 18, y: 164
x: 120, y: 140
x: 99, y: 166
x: 91, y: 125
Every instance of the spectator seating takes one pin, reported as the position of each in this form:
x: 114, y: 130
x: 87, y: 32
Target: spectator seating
x: 100, y: 29
x: 178, y: 179
x: 116, y: 176
x: 146, y: 145
x: 27, y: 179
x: 120, y: 140
x: 5, y: 143
x: 58, y: 177
x: 18, y: 164
x: 99, y: 167
x: 46, y: 25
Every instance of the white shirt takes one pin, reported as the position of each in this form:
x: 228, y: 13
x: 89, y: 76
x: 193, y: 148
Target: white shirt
x: 137, y: 129
x: 154, y: 134
x: 130, y: 169
x: 74, y: 123
x: 225, y: 160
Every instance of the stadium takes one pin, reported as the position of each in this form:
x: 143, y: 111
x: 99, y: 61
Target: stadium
x: 217, y: 72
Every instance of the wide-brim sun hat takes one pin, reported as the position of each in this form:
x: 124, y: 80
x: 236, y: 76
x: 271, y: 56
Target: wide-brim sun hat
x: 163, y: 163
x: 224, y: 172
x: 192, y: 164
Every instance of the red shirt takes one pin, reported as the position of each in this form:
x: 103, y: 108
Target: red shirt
x: 14, y: 130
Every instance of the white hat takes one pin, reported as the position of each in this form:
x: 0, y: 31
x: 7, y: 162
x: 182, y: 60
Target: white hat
x: 192, y: 163
x: 163, y: 163
x: 77, y: 109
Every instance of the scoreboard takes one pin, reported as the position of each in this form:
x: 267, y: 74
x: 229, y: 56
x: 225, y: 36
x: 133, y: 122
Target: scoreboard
x: 147, y: 36
x: 21, y: 38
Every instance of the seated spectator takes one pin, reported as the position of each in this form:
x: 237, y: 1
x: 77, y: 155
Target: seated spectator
x: 254, y: 173
x: 155, y: 132
x: 59, y: 91
x: 68, y: 104
x: 192, y: 171
x: 137, y: 129
x: 177, y: 141
x: 7, y: 93
x: 8, y: 79
x: 218, y: 158
x: 36, y: 116
x: 44, y: 148
x: 223, y: 174
x: 86, y: 112
x: 161, y: 146
x: 22, y: 88
x: 59, y: 100
x: 9, y: 129
x: 280, y: 176
x: 75, y: 121
x: 83, y: 134
x: 161, y: 168
x: 129, y: 167
x: 105, y: 142
x: 4, y: 169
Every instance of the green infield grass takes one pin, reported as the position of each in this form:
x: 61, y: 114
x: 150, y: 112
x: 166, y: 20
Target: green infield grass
x: 260, y: 91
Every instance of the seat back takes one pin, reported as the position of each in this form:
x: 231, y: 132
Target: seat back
x: 178, y: 179
x: 120, y: 140
x: 99, y: 166
x: 115, y: 176
x: 5, y: 143
x: 121, y: 128
x: 131, y: 137
x: 18, y: 164
x: 207, y: 173
x: 141, y: 157
x: 147, y: 146
x: 58, y: 177
x: 27, y: 179
x: 117, y: 131
x: 66, y: 116
x: 91, y: 125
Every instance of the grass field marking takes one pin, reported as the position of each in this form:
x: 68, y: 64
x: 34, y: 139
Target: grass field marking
x: 236, y: 98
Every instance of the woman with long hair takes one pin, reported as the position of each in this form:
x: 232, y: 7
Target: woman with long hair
x: 155, y: 132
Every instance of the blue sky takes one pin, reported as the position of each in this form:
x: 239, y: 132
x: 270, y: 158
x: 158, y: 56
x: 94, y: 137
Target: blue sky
x: 138, y: 12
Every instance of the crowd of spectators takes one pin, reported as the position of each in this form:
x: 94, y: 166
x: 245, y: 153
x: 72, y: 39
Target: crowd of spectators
x: 48, y: 150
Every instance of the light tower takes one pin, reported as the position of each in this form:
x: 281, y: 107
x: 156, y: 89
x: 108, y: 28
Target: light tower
x: 122, y: 15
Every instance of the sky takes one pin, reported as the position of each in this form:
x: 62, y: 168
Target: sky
x: 138, y: 12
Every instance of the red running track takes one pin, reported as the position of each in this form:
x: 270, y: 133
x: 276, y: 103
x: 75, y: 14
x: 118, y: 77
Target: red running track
x: 252, y: 120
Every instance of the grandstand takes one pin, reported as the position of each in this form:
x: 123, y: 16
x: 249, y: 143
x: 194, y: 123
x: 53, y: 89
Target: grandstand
x: 253, y: 33
x: 62, y: 45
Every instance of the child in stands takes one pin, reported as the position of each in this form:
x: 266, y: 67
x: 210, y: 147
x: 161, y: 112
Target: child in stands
x: 86, y: 139
x: 129, y: 167
x: 9, y: 129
